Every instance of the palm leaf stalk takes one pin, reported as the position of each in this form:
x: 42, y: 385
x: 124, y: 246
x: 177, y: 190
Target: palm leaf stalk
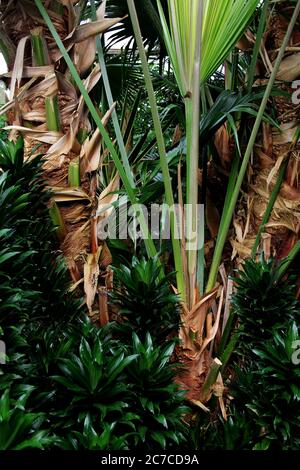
x: 270, y: 206
x: 185, y: 54
x: 227, y: 220
x: 162, y: 152
x: 41, y: 58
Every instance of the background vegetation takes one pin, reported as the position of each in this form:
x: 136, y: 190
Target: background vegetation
x: 141, y: 343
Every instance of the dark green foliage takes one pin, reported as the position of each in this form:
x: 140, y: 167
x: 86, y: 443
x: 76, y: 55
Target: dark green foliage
x: 33, y: 297
x: 29, y: 263
x: 67, y: 384
x: 279, y: 376
x: 157, y: 399
x: 20, y: 429
x: 146, y: 303
x: 267, y: 388
x: 91, y: 383
x: 111, y: 397
x: 265, y: 379
x: 224, y: 107
x: 96, y: 393
x: 280, y: 359
x: 90, y: 439
x: 264, y: 301
x: 237, y: 433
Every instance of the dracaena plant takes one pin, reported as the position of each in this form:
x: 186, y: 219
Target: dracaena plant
x: 156, y: 399
x: 259, y: 303
x: 92, y: 378
x: 90, y: 439
x: 145, y: 304
x: 113, y: 396
x: 28, y: 250
x: 20, y: 429
x: 264, y: 379
x: 105, y: 395
x: 267, y: 389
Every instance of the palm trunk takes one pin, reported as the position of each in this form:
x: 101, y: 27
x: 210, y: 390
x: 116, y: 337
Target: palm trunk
x: 273, y: 148
x: 49, y: 112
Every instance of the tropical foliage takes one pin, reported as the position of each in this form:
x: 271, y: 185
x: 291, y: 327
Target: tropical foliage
x: 143, y: 302
x: 264, y: 372
x: 192, y: 119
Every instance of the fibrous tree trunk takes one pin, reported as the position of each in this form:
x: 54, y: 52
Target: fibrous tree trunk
x: 47, y: 109
x: 274, y: 148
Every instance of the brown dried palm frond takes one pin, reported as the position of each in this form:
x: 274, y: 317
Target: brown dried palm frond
x: 32, y: 86
x: 273, y: 147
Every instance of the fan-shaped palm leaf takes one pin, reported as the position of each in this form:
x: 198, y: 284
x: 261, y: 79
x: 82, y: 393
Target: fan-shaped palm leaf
x: 148, y: 18
x: 222, y: 25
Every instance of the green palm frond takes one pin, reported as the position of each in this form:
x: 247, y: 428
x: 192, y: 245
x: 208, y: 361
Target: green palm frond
x: 222, y: 25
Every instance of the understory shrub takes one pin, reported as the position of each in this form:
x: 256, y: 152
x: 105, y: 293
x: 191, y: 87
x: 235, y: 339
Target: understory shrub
x: 93, y: 392
x: 33, y: 278
x: 66, y: 384
x: 145, y: 302
x: 264, y: 377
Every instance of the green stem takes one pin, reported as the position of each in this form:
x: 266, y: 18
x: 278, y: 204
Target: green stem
x: 201, y: 263
x: 191, y: 196
x: 227, y: 221
x: 57, y: 221
x: 193, y: 119
x: 210, y: 380
x: 270, y: 206
x: 290, y: 258
x: 161, y: 150
x: 151, y: 250
x: 234, y: 70
x: 41, y: 58
x: 226, y: 334
x: 52, y: 113
x: 38, y: 47
x: 74, y: 174
x: 230, y: 187
x: 259, y: 35
x: 229, y: 350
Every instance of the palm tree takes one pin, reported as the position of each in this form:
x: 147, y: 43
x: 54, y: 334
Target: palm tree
x: 195, y: 57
